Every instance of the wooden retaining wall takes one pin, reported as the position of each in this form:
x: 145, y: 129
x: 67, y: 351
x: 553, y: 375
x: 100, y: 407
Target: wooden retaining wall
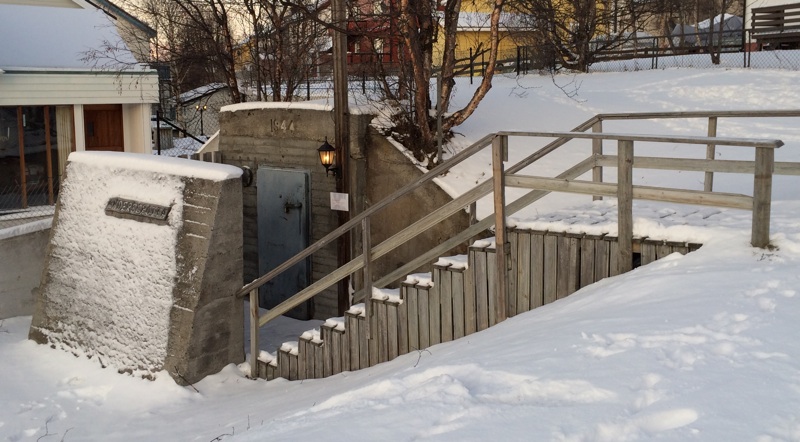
x: 457, y: 301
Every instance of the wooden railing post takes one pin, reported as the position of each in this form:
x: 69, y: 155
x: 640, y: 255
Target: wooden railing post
x: 708, y: 183
x: 597, y: 149
x: 625, y: 205
x: 502, y: 249
x: 254, y: 333
x: 366, y: 252
x: 762, y: 196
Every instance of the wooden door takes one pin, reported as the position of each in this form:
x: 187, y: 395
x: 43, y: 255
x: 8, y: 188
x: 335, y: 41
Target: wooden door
x: 103, y: 127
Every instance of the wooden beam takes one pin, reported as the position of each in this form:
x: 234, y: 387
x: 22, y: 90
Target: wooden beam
x: 719, y: 199
x: 762, y: 197
x: 23, y: 179
x: 708, y: 182
x: 499, y: 155
x: 625, y: 205
x: 254, y: 333
x: 597, y: 150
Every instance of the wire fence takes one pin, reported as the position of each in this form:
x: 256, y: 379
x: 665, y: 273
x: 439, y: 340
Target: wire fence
x: 20, y: 206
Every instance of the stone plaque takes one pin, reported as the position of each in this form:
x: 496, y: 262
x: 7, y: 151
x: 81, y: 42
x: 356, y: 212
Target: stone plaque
x: 136, y: 210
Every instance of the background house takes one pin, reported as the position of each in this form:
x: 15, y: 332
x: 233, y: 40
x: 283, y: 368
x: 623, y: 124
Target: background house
x: 68, y: 82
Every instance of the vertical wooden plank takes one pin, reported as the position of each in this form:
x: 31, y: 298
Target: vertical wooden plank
x: 434, y: 315
x: 470, y: 306
x: 319, y: 360
x: 537, y: 269
x: 563, y: 270
x: 336, y: 351
x: 625, y: 204
x: 708, y: 183
x: 411, y: 299
x: 383, y: 330
x: 272, y: 371
x: 500, y: 154
x: 511, y: 296
x: 523, y: 271
x: 254, y: 319
x: 491, y: 285
x: 372, y: 323
x: 613, y: 249
x: 446, y: 303
x: 550, y: 267
x: 663, y: 249
x: 481, y: 290
x: 574, y: 280
x: 283, y: 364
x: 293, y: 366
x: 458, y: 303
x: 597, y: 149
x: 363, y: 342
x: 402, y: 323
x: 648, y: 252
x: 326, y: 334
x: 762, y: 196
x: 352, y: 336
x: 587, y: 260
x: 424, y: 317
x: 302, y: 359
x: 392, y: 329
x: 601, y: 257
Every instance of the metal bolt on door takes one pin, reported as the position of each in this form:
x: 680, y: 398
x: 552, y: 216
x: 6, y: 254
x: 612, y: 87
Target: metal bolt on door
x: 283, y: 231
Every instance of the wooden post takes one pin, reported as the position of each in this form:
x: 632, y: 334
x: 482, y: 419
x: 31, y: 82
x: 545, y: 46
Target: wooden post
x: 49, y: 156
x: 254, y: 333
x: 23, y: 183
x: 366, y: 248
x: 762, y: 196
x: 597, y: 149
x: 502, y: 248
x: 625, y: 205
x: 708, y: 183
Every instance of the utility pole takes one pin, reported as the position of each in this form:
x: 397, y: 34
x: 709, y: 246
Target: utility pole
x: 341, y: 114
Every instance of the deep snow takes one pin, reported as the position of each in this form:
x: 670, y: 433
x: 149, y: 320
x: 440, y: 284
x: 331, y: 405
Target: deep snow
x: 695, y: 347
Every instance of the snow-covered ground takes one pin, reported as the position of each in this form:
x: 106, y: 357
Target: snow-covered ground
x: 696, y: 347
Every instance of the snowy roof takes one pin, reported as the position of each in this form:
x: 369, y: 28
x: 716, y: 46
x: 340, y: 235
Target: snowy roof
x: 202, y: 91
x: 57, y: 37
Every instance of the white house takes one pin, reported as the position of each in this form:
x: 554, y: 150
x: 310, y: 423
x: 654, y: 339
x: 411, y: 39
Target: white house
x: 69, y: 81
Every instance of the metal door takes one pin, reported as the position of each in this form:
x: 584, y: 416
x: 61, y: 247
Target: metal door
x: 283, y: 231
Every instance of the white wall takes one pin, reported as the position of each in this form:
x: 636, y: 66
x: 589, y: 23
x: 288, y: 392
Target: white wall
x: 54, y: 88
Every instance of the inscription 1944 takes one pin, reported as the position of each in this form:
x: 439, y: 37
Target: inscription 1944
x: 136, y: 210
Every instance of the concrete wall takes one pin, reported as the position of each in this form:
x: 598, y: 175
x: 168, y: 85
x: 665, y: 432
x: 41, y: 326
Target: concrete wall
x: 388, y: 170
x: 23, y: 260
x: 286, y: 138
x: 289, y: 137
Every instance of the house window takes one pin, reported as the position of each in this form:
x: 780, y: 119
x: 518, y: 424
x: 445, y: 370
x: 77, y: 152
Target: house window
x: 34, y: 144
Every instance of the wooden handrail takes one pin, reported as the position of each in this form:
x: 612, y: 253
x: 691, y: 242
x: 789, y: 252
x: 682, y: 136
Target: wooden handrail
x: 762, y: 168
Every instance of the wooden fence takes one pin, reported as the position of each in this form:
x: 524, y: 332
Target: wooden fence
x: 625, y: 160
x: 456, y: 301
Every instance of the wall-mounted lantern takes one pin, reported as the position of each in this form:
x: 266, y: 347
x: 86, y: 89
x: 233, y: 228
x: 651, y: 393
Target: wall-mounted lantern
x: 327, y: 156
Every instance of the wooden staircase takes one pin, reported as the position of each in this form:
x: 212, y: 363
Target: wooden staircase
x: 535, y: 268
x: 455, y: 300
